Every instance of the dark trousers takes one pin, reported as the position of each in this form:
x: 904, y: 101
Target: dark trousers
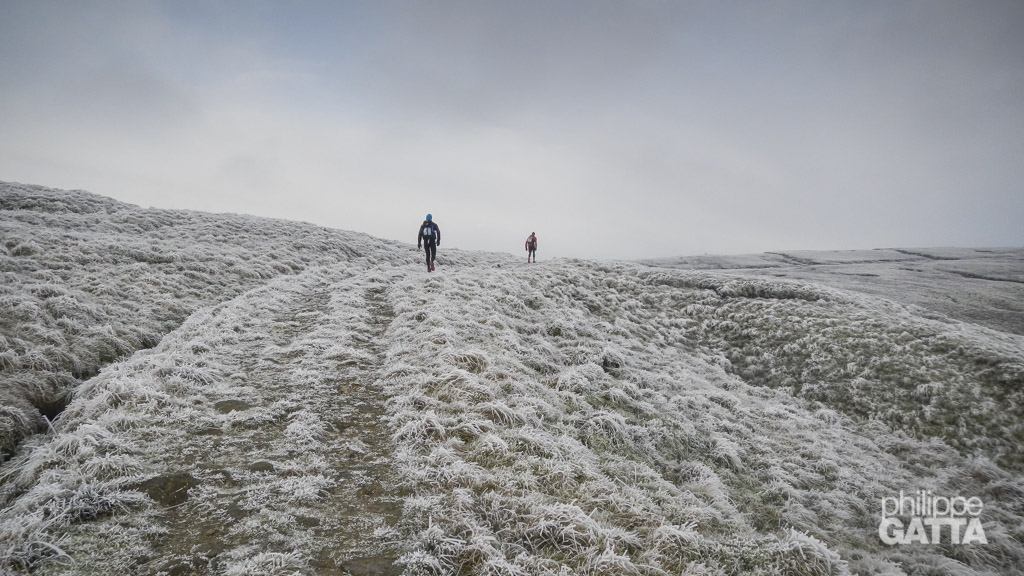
x: 431, y: 247
x: 532, y: 252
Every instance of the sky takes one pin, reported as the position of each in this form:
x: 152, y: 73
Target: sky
x: 613, y: 129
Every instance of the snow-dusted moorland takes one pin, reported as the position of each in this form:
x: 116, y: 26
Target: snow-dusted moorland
x: 251, y: 396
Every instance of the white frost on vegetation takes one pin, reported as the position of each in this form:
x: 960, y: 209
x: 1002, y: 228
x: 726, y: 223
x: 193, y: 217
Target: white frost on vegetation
x: 494, y: 418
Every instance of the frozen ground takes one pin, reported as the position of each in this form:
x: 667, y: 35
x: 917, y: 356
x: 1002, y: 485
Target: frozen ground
x: 977, y: 285
x: 352, y: 414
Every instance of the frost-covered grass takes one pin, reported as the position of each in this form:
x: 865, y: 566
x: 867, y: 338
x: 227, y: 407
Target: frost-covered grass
x: 86, y: 280
x: 868, y: 358
x: 584, y: 421
x: 365, y: 417
x: 983, y: 286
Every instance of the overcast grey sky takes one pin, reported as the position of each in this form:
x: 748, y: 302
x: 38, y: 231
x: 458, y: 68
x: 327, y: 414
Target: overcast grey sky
x: 614, y: 129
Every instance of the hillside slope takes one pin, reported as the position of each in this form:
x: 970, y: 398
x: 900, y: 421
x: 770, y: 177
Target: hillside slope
x: 87, y: 280
x: 982, y: 286
x: 364, y: 417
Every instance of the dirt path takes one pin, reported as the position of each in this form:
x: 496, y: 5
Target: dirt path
x: 275, y: 454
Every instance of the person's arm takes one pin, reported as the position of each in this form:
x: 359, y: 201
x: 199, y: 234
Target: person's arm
x: 419, y: 237
x: 437, y: 232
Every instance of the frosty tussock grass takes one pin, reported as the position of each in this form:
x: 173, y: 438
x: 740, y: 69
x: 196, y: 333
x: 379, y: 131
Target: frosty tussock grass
x: 567, y: 418
x: 87, y: 280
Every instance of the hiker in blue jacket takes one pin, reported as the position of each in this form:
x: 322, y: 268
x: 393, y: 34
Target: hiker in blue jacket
x: 429, y: 238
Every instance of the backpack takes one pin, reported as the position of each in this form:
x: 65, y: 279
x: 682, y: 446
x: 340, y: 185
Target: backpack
x: 531, y: 240
x: 428, y: 230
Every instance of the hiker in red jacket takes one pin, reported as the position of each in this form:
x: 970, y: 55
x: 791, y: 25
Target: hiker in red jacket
x: 531, y: 247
